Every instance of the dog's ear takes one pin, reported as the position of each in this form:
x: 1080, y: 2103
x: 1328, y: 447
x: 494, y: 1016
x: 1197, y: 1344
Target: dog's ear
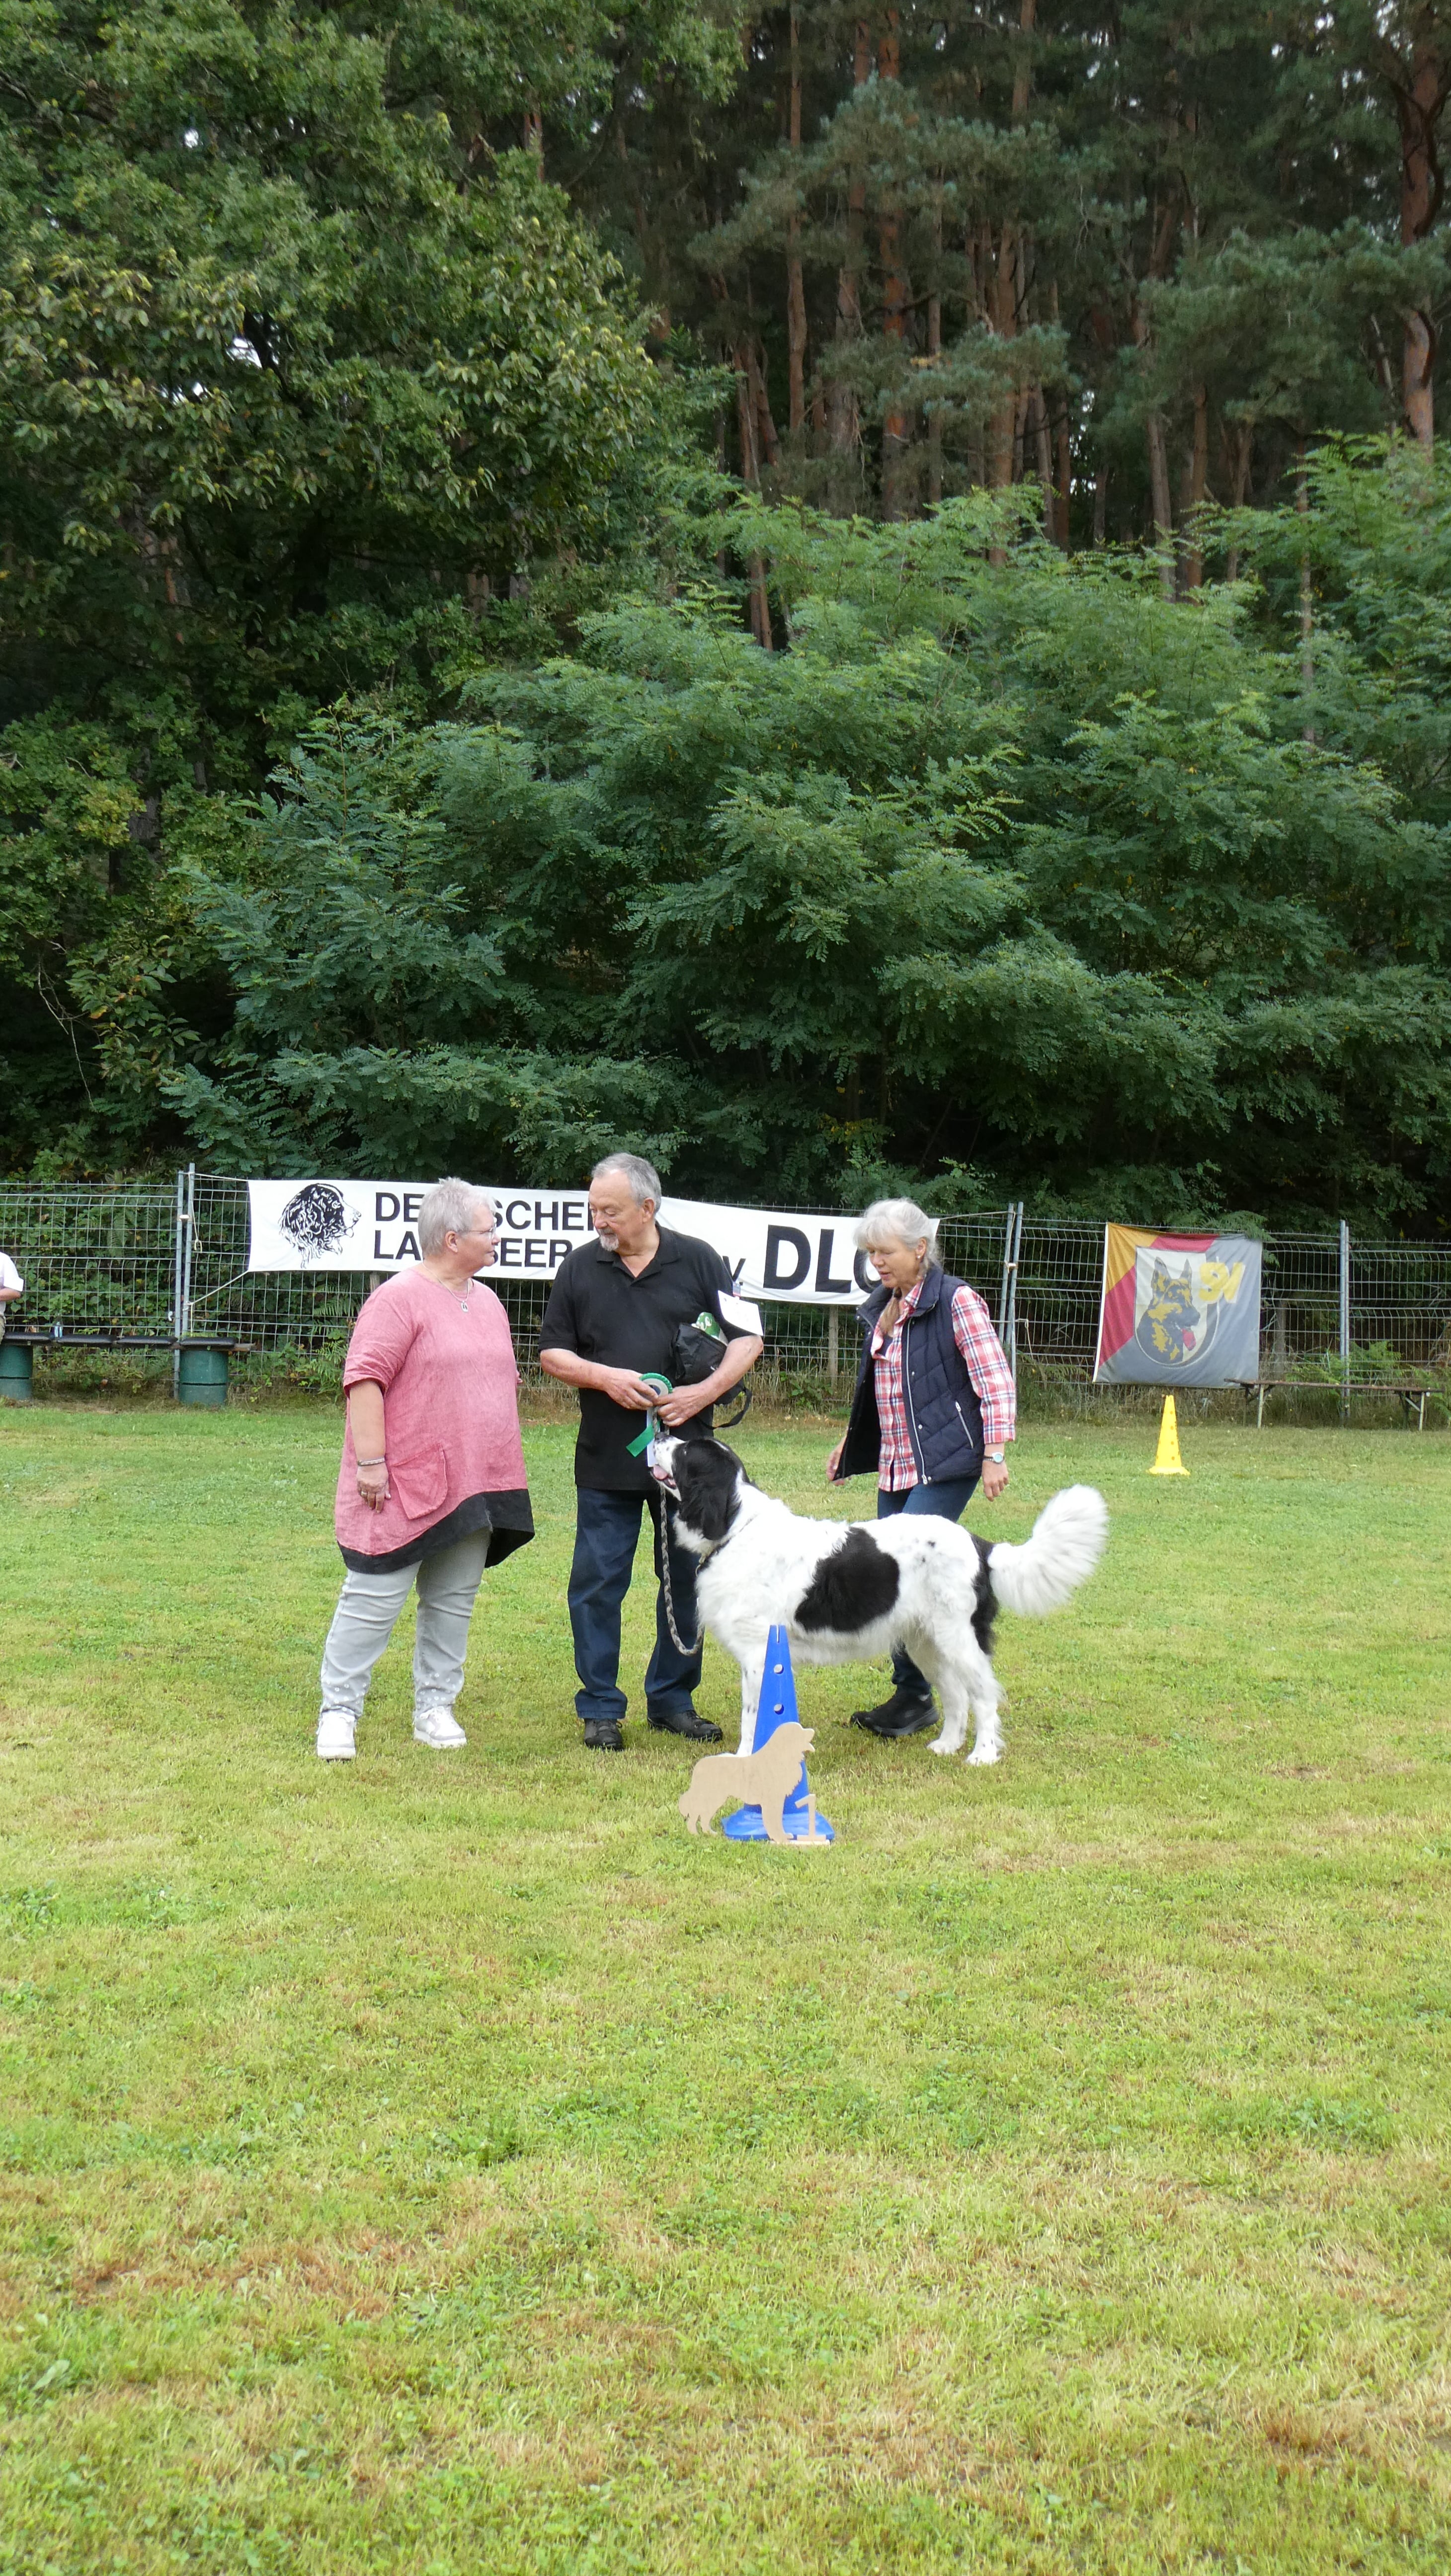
x: 707, y: 1479
x: 739, y: 1464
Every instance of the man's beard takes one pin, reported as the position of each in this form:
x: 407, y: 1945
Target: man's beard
x: 608, y: 1237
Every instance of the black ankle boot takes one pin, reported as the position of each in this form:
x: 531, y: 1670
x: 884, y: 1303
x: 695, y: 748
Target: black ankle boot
x: 905, y: 1713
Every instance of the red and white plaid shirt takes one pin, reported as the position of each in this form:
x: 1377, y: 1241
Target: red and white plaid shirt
x: 986, y: 1363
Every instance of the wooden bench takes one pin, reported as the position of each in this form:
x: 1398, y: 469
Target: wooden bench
x: 1412, y: 1396
x: 202, y: 1359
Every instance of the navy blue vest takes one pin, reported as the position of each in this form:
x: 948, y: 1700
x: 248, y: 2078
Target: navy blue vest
x: 944, y: 1417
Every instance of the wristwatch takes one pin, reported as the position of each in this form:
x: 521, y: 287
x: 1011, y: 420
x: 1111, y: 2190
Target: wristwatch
x: 996, y: 1456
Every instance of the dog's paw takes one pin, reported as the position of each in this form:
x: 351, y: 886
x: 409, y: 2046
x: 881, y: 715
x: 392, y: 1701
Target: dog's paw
x: 984, y: 1753
x: 942, y: 1744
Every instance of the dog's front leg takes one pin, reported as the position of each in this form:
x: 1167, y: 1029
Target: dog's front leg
x: 953, y: 1690
x: 753, y: 1673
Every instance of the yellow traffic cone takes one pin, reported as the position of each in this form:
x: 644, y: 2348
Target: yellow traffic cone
x: 1167, y: 1461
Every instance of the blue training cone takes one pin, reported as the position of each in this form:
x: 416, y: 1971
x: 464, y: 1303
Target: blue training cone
x: 777, y: 1707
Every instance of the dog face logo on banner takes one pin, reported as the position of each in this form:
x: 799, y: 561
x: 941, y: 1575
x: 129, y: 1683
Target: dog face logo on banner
x: 318, y: 1220
x: 1179, y: 1310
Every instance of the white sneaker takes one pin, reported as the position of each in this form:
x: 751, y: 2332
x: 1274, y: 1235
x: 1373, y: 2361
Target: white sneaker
x: 438, y: 1727
x: 335, y: 1732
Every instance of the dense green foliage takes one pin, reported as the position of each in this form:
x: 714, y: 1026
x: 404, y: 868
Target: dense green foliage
x: 1021, y: 869
x: 1138, y: 251
x: 357, y: 371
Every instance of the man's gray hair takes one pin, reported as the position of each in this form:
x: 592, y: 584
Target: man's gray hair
x: 643, y: 1178
x: 450, y: 1207
x: 897, y: 1221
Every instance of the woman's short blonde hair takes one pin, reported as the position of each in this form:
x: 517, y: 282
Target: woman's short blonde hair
x: 897, y: 1221
x: 450, y: 1207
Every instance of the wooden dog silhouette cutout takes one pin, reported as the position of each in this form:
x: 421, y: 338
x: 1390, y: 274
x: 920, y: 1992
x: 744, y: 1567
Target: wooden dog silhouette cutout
x: 765, y: 1780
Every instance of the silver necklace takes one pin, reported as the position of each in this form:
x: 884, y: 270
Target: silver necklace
x: 462, y: 1302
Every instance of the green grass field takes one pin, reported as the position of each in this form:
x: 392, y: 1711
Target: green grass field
x: 444, y: 2164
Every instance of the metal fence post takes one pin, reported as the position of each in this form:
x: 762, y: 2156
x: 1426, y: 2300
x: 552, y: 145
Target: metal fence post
x: 181, y: 1291
x: 1344, y: 1322
x: 178, y: 1267
x: 1008, y: 1295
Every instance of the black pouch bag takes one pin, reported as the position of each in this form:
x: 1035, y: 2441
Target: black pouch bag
x: 695, y: 1353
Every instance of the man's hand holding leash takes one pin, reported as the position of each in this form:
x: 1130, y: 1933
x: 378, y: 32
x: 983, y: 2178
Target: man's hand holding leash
x: 685, y: 1401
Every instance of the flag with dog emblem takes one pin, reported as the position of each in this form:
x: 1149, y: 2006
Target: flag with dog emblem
x: 1178, y: 1309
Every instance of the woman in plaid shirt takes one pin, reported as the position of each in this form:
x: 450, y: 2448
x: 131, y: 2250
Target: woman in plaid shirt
x: 934, y: 1408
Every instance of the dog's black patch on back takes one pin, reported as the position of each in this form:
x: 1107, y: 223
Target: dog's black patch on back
x: 986, y: 1608
x: 856, y: 1584
x: 707, y: 1475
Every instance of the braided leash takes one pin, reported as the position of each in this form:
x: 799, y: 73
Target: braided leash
x: 636, y: 1449
x: 676, y: 1637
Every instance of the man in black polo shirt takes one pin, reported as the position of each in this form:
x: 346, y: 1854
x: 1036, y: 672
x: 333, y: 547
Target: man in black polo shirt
x: 613, y: 1312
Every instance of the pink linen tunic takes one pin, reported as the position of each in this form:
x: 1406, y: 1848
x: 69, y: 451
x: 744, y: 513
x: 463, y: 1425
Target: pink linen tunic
x: 451, y: 1406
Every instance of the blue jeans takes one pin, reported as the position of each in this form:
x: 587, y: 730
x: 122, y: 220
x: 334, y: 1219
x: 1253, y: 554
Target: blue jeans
x: 607, y: 1533
x: 945, y: 1501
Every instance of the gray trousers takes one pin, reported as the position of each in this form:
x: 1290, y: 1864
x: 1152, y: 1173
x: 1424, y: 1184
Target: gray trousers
x: 367, y: 1612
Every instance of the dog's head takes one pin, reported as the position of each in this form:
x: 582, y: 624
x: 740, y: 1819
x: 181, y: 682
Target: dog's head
x: 706, y: 1479
x: 792, y: 1741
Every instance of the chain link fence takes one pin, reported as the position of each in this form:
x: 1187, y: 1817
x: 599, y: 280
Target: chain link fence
x: 148, y: 1265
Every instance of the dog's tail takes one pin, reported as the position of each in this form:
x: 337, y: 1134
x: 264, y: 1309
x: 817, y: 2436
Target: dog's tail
x: 1068, y: 1538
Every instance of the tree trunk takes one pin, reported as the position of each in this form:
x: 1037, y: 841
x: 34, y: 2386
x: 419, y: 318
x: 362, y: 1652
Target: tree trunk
x: 534, y: 137
x: 894, y: 329
x: 1023, y: 60
x: 1419, y: 101
x: 1307, y: 597
x: 795, y: 285
x: 842, y: 407
x: 1043, y: 442
x: 1244, y: 440
x: 1100, y: 508
x: 894, y: 301
x: 934, y: 417
x: 1063, y: 508
x: 746, y: 417
x: 1059, y: 524
x: 1159, y: 501
x: 746, y: 412
x: 770, y: 445
x: 1004, y: 322
x: 1005, y: 426
x: 1198, y: 486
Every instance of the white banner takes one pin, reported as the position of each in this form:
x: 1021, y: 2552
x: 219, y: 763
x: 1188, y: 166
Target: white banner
x: 373, y: 1225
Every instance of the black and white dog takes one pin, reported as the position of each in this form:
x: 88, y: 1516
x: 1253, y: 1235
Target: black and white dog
x: 846, y: 1591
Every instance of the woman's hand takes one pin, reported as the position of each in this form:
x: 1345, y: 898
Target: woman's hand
x: 994, y: 1478
x: 834, y: 1461
x: 370, y: 1442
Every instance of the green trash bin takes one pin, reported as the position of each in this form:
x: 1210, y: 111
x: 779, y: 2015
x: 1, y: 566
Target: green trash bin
x: 201, y: 1377
x: 17, y: 1371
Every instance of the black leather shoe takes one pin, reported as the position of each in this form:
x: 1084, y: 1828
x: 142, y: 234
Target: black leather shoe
x: 604, y: 1735
x: 696, y: 1730
x: 901, y: 1715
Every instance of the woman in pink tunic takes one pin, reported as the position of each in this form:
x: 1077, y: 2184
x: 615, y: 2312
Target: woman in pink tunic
x: 431, y: 1486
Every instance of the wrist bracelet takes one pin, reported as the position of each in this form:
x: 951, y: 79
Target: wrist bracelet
x: 372, y: 1462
